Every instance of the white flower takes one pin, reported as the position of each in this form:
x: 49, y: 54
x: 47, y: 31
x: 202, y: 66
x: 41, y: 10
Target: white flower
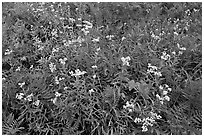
x: 96, y: 40
x: 63, y: 61
x: 158, y: 96
x: 19, y: 95
x: 161, y: 87
x: 94, y: 76
x: 167, y: 98
x: 8, y: 52
x: 54, y: 100
x: 21, y: 84
x: 78, y: 73
x: 37, y: 102
x: 137, y: 120
x: 56, y: 80
x: 174, y: 53
x: 123, y: 38
x: 144, y: 128
x: 126, y: 60
x: 57, y: 94
x: 165, y: 92
x: 94, y: 66
x: 91, y: 91
x: 52, y: 67
x: 169, y: 89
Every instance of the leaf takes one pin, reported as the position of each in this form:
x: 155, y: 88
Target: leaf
x: 131, y: 85
x: 144, y: 89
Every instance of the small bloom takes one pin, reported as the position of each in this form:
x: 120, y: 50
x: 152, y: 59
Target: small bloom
x: 21, y: 84
x: 19, y: 95
x: 144, y: 128
x: 52, y: 67
x: 54, y: 100
x: 57, y: 94
x: 126, y: 60
x: 165, y: 92
x: 94, y: 66
x: 37, y: 102
x: 94, y: 76
x: 137, y: 120
x: 91, y: 91
x: 169, y: 89
x: 96, y: 40
x: 18, y: 69
x: 167, y: 98
x: 78, y: 73
x: 161, y: 87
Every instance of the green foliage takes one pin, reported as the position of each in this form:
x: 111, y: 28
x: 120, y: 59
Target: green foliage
x: 101, y: 68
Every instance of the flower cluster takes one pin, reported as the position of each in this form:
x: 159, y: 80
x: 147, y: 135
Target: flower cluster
x: 52, y: 67
x: 109, y: 37
x: 164, y: 89
x: 148, y: 121
x: 63, y: 61
x: 28, y: 98
x: 87, y: 25
x: 77, y: 73
x: 126, y: 61
x: 58, y: 80
x: 57, y: 94
x: 21, y: 84
x: 7, y: 52
x: 165, y: 56
x: 154, y: 70
x: 129, y: 106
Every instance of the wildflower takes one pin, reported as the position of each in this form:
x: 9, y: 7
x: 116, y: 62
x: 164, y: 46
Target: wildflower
x: 98, y: 49
x: 161, y: 87
x: 154, y: 70
x: 62, y: 61
x: 21, y: 84
x: 165, y: 56
x: 126, y: 60
x: 72, y: 20
x: 169, y: 89
x: 96, y: 40
x: 123, y: 38
x: 65, y: 88
x: 94, y: 66
x: 18, y: 69
x: 137, y: 120
x: 110, y: 37
x: 29, y: 97
x: 165, y: 92
x: 174, y: 53
x: 91, y: 91
x: 144, y: 128
x: 77, y: 73
x: 57, y: 94
x: 129, y: 106
x: 56, y: 80
x: 167, y: 98
x: 37, y: 102
x: 19, y: 95
x: 54, y: 100
x: 55, y: 50
x: 85, y: 31
x: 8, y: 52
x: 52, y: 67
x: 88, y: 25
x: 94, y: 76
